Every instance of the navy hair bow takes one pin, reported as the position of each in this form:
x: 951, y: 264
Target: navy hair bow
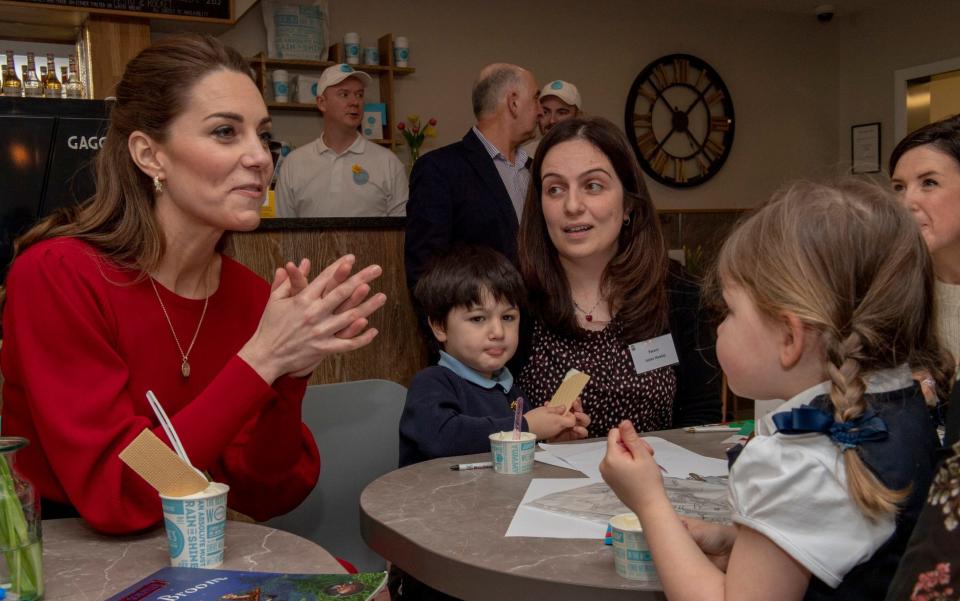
x: 849, y: 434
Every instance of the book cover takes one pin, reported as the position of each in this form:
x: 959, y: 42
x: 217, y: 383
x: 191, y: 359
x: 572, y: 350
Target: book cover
x: 197, y: 584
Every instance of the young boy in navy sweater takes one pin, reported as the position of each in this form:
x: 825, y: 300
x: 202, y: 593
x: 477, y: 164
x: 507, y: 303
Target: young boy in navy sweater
x: 472, y: 299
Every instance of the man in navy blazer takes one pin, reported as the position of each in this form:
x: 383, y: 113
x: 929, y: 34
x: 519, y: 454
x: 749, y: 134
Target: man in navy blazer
x: 472, y: 191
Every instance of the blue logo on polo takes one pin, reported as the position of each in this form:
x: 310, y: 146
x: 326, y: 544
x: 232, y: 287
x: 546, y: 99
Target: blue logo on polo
x: 174, y: 538
x: 346, y: 69
x: 360, y: 176
x: 557, y: 85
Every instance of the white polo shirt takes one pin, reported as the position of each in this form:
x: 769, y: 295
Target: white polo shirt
x: 363, y: 181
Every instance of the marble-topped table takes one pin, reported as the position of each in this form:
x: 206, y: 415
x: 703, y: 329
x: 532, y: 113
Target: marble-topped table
x: 81, y: 564
x: 447, y: 528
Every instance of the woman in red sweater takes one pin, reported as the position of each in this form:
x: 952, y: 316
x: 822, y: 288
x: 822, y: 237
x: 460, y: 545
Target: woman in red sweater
x: 129, y: 293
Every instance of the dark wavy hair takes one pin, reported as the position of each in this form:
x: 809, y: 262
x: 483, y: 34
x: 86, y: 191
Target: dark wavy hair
x: 944, y: 135
x: 634, y: 281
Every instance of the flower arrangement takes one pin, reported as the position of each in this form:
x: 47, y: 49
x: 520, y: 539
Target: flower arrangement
x: 415, y: 133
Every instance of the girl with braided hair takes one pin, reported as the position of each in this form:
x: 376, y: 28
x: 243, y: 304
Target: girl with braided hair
x: 828, y: 292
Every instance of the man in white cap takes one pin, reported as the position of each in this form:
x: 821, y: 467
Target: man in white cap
x: 341, y: 173
x: 559, y: 101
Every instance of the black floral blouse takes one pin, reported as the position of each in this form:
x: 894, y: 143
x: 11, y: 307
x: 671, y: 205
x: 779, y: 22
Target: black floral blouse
x: 615, y: 391
x: 930, y: 569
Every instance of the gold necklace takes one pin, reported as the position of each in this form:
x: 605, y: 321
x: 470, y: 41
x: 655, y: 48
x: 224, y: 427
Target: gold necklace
x: 185, y: 366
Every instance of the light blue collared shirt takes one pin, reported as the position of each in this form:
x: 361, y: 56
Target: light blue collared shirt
x: 515, y: 175
x: 502, y: 378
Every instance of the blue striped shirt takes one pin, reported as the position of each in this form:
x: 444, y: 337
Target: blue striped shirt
x: 515, y: 175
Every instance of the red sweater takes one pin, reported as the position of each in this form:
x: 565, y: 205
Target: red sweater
x: 83, y: 344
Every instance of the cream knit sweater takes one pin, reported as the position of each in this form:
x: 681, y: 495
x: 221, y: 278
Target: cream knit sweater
x: 948, y: 316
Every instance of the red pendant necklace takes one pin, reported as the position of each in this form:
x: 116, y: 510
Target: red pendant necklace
x: 588, y: 315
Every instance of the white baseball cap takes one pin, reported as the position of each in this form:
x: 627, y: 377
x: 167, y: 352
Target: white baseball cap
x: 331, y: 76
x: 564, y: 90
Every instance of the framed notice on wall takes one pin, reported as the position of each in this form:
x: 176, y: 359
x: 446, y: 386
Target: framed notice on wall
x: 865, y: 148
x: 200, y: 10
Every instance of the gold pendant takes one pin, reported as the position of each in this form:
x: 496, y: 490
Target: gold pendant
x: 185, y: 369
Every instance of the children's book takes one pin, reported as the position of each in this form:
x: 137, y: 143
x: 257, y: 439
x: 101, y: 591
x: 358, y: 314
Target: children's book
x: 196, y: 584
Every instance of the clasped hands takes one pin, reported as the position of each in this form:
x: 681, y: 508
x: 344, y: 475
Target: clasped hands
x: 305, y: 321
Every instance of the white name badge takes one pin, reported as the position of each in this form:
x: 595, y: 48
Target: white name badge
x: 653, y: 354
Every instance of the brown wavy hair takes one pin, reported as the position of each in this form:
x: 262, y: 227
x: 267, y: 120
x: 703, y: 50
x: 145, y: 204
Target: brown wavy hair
x: 634, y: 281
x: 119, y: 218
x: 849, y: 261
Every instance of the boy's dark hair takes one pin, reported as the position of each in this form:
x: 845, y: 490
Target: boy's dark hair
x: 459, y: 278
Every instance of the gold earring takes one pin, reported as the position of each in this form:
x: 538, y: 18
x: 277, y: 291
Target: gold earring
x: 157, y: 184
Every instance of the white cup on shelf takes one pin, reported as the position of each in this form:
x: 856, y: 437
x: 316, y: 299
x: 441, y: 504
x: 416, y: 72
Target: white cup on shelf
x: 281, y: 86
x: 351, y: 47
x: 401, y: 51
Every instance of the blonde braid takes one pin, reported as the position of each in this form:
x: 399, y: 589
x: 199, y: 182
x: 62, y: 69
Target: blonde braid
x: 847, y: 390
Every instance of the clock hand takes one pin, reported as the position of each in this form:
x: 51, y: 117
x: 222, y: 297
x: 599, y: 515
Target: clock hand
x: 662, y: 142
x: 701, y: 97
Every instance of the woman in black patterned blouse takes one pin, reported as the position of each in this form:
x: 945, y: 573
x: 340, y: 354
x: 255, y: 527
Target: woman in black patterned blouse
x: 595, y: 264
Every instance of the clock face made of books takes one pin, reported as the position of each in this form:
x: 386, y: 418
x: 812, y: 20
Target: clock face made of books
x: 679, y: 120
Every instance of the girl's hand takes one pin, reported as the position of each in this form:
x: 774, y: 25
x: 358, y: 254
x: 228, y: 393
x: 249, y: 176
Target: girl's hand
x: 715, y: 540
x: 579, y: 430
x: 629, y: 469
x: 548, y: 421
x: 301, y: 327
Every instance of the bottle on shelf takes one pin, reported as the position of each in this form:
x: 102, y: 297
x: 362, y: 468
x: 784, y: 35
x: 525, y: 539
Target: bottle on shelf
x: 52, y: 88
x: 11, y: 83
x: 31, y: 83
x: 73, y: 88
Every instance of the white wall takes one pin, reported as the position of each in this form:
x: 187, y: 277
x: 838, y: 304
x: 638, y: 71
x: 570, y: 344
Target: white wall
x: 871, y: 46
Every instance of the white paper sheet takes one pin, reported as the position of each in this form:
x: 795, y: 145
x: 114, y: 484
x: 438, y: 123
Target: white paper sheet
x: 530, y: 521
x: 676, y: 460
x: 549, y: 459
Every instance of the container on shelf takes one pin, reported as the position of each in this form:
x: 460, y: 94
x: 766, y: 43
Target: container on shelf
x: 401, y: 51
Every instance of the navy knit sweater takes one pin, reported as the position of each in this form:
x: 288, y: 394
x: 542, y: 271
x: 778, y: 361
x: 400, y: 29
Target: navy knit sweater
x: 446, y: 415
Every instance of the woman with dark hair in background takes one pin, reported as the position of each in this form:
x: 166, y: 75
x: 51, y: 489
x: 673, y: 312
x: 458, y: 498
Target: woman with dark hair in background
x: 595, y: 265
x: 129, y: 292
x: 925, y: 169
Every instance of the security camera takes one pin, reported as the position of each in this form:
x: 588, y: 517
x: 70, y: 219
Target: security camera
x: 824, y: 13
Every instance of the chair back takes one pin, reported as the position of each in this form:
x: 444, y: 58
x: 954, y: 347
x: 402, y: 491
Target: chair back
x: 356, y: 426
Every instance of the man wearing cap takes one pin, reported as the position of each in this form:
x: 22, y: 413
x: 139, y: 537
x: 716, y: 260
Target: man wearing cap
x: 559, y: 101
x: 472, y: 191
x: 341, y: 173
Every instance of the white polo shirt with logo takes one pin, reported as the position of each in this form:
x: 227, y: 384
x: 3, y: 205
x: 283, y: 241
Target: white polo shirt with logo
x: 365, y: 180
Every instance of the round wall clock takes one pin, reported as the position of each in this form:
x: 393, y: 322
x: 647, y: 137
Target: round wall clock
x: 679, y: 120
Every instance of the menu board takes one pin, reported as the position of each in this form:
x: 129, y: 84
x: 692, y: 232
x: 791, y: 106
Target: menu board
x: 220, y: 10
